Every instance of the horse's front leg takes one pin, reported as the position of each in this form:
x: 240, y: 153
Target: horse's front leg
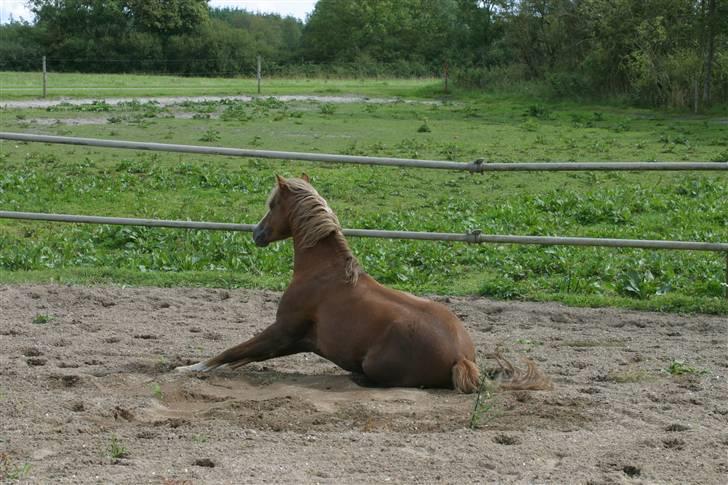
x: 285, y: 337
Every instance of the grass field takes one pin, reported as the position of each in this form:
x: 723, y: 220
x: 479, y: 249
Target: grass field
x: 29, y: 85
x: 682, y: 206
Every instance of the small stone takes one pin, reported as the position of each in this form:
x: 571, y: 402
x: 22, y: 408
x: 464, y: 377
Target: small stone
x: 206, y: 462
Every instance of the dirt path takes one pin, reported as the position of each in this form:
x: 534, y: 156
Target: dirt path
x: 94, y: 369
x: 172, y: 100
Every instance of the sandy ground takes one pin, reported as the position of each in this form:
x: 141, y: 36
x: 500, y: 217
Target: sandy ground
x: 99, y: 371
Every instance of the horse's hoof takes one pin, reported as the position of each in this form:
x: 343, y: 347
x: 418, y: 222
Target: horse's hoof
x: 198, y: 367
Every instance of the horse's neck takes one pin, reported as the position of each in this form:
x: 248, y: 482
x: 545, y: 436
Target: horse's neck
x: 329, y: 255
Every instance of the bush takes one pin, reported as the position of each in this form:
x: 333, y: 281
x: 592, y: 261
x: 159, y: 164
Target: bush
x: 496, y: 77
x: 568, y: 84
x: 19, y: 49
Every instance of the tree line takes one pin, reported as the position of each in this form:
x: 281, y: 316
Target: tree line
x: 656, y: 52
x: 156, y: 36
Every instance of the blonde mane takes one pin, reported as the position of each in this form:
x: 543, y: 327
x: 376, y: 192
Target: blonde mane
x: 312, y: 220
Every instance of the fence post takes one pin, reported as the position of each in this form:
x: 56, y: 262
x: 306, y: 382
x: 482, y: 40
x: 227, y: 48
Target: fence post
x: 45, y: 77
x: 258, y: 77
x: 725, y: 290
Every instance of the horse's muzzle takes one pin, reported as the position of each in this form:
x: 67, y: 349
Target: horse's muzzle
x: 260, y: 236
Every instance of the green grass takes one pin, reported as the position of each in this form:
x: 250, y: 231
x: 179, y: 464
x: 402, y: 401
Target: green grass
x: 42, y: 318
x: 116, y: 448
x: 156, y: 390
x: 28, y: 85
x: 12, y: 471
x: 680, y: 367
x: 484, y: 404
x: 681, y: 206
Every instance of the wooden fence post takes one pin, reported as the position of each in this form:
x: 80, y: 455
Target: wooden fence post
x: 258, y: 77
x: 45, y: 77
x: 726, y: 275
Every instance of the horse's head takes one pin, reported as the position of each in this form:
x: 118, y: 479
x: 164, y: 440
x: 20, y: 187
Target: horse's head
x: 276, y: 224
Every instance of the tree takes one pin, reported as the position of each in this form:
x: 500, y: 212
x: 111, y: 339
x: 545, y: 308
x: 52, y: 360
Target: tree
x: 479, y: 30
x: 275, y: 37
x: 168, y: 17
x: 657, y: 52
x: 384, y: 31
x: 715, y: 24
x: 20, y: 48
x: 88, y: 18
x: 84, y: 30
x: 333, y: 31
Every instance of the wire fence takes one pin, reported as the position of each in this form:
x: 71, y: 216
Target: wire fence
x: 133, y: 65
x: 238, y: 66
x: 133, y: 81
x: 201, y: 69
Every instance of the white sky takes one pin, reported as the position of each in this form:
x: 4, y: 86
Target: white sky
x: 295, y: 8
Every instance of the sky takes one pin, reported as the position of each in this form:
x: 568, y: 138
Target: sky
x: 295, y: 8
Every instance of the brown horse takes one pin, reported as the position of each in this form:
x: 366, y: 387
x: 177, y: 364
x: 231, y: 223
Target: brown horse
x: 334, y: 309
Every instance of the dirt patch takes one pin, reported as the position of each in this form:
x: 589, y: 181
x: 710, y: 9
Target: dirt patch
x: 99, y: 120
x: 89, y: 395
x: 173, y: 100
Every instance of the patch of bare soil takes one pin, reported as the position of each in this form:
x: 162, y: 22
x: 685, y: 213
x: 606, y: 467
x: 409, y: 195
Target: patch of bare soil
x: 97, y: 120
x: 172, y: 100
x: 87, y: 395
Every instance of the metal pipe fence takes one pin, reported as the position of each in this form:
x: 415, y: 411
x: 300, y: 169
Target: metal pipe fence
x: 475, y: 237
x: 477, y: 166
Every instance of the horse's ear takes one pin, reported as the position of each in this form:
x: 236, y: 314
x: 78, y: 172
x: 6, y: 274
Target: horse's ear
x: 304, y: 176
x: 281, y: 182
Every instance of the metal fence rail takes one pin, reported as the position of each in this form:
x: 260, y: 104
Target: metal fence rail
x: 477, y: 166
x: 475, y: 237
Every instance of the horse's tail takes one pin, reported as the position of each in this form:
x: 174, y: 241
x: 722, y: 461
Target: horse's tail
x: 532, y: 379
x: 465, y: 376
